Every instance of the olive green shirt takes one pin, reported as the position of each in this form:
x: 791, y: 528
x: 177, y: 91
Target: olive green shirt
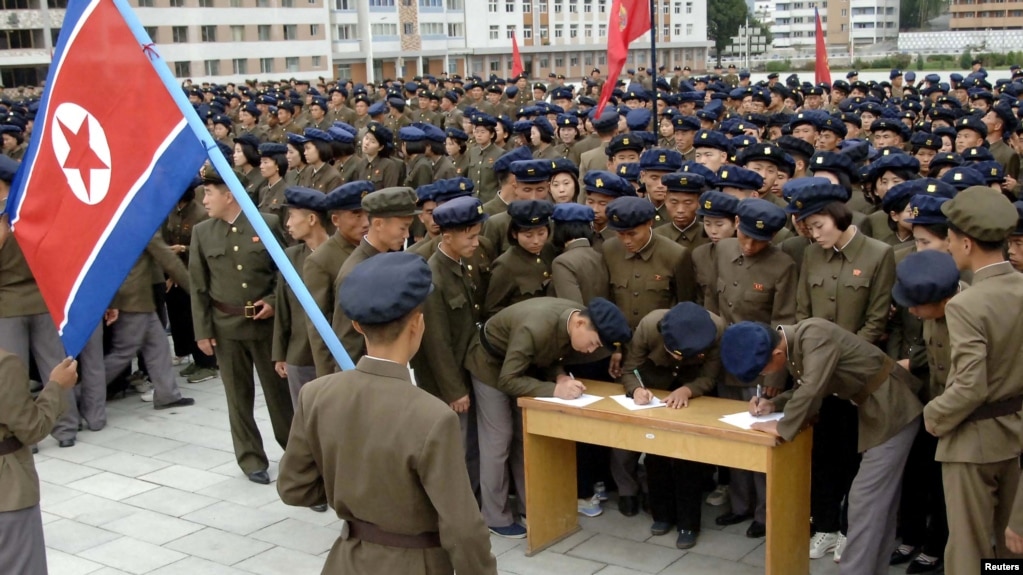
x: 657, y: 277
x: 660, y: 370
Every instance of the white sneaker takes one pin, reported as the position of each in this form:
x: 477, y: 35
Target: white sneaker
x: 840, y: 547
x: 147, y: 396
x: 590, y: 507
x: 719, y: 496
x: 142, y: 385
x: 822, y: 543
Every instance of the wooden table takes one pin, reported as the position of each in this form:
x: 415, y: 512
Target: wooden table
x: 694, y: 433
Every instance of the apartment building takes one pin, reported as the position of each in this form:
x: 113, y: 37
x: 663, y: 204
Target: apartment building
x: 845, y: 22
x: 986, y: 15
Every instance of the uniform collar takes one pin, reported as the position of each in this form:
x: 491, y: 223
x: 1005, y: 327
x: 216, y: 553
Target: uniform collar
x: 561, y: 337
x: 576, y: 243
x: 851, y: 249
x: 795, y: 358
x: 990, y: 271
x: 384, y: 368
x: 647, y: 251
x: 449, y: 263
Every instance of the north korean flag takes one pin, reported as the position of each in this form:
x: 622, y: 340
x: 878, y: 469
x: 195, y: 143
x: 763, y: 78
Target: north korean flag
x: 109, y: 156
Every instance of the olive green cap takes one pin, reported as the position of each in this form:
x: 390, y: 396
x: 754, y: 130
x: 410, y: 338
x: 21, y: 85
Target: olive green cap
x: 981, y: 213
x: 209, y: 175
x: 391, y: 203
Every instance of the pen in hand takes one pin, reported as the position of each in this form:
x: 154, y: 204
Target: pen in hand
x: 759, y: 396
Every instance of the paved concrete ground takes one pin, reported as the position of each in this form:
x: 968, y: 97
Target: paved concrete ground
x: 159, y: 492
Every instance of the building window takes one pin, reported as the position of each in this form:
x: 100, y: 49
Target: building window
x: 180, y: 34
x: 455, y: 30
x: 455, y: 5
x: 237, y: 33
x: 347, y: 32
x: 559, y: 30
x: 573, y: 7
x: 573, y: 31
x: 495, y: 32
x: 151, y: 32
x: 383, y: 29
x: 263, y: 33
x: 601, y: 30
x: 317, y: 61
x: 314, y: 30
x: 665, y: 31
x: 262, y: 3
x: 177, y: 3
x: 290, y: 32
x: 495, y: 66
x: 689, y: 29
x: 236, y: 3
x: 527, y: 33
x: 666, y: 8
x: 678, y: 7
x: 510, y: 33
x: 527, y: 6
x: 291, y: 64
x: 431, y: 29
x: 689, y: 7
x: 558, y: 6
x: 588, y: 59
x: 209, y: 33
x: 544, y: 32
x: 678, y: 29
x: 543, y: 6
x: 559, y: 61
x: 431, y: 3
x: 602, y: 6
x: 544, y: 62
x: 588, y: 31
x: 587, y: 6
x: 381, y: 3
x: 287, y: 3
x: 344, y: 5
x: 266, y: 65
x: 145, y: 3
x: 509, y: 5
x: 492, y: 6
x: 212, y: 67
x: 240, y: 66
x: 408, y: 29
x: 182, y: 69
x: 206, y: 3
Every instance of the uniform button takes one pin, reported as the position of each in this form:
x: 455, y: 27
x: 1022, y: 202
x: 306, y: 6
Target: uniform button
x: 938, y: 344
x: 538, y: 260
x: 469, y: 267
x: 735, y: 283
x: 635, y: 312
x: 830, y: 318
x: 636, y: 276
x: 236, y: 248
x: 834, y: 277
x: 245, y: 285
x: 832, y: 298
x: 234, y: 229
x: 239, y: 267
x: 476, y: 306
x: 545, y: 274
x: 941, y: 367
x: 635, y: 294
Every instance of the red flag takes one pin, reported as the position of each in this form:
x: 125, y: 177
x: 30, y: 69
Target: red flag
x: 517, y: 67
x: 822, y: 71
x: 629, y: 20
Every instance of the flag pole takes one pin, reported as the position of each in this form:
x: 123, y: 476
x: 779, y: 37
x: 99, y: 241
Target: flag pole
x: 653, y: 62
x: 238, y: 191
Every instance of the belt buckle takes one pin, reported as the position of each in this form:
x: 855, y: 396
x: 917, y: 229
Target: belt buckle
x: 250, y: 312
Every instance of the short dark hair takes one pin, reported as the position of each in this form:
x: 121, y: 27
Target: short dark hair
x: 300, y: 150
x: 462, y: 145
x: 545, y: 137
x: 839, y: 213
x: 514, y: 228
x: 415, y: 147
x: 384, y: 333
x: 984, y: 245
x: 342, y: 149
x: 324, y: 149
x: 250, y: 153
x: 940, y: 229
x: 565, y: 232
x: 437, y: 148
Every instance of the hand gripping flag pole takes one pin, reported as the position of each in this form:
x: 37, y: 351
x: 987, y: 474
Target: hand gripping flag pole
x: 251, y: 212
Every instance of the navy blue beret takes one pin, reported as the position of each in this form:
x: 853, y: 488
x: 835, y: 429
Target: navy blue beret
x: 890, y: 125
x: 931, y: 187
x: 638, y: 119
x: 315, y: 134
x: 248, y: 140
x: 456, y: 134
x: 925, y: 140
x: 687, y: 329
x: 377, y: 109
x: 684, y: 182
x: 746, y: 350
x: 381, y: 132
x: 760, y: 219
x: 992, y: 171
x: 459, y: 212
x: 348, y: 197
x: 252, y: 109
x: 833, y: 162
x: 503, y: 163
x: 8, y: 167
x: 522, y: 127
x: 717, y: 204
x: 451, y: 188
x: 543, y: 125
x: 835, y: 125
x: 762, y: 151
x: 305, y: 198
x: 385, y: 287
x: 963, y: 177
x: 683, y: 122
x: 531, y: 171
x: 227, y: 151
x: 943, y: 159
x: 271, y: 149
x: 624, y: 142
x: 563, y: 166
x: 892, y: 162
x: 711, y: 139
x: 741, y: 178
x: 297, y: 140
x: 608, y: 184
x: 809, y: 196
x: 426, y: 193
x: 485, y: 120
x: 567, y: 121
x: 926, y: 209
x: 897, y: 197
x: 629, y: 171
x: 410, y: 134
x: 628, y: 212
x: 971, y: 123
x: 660, y: 160
x: 572, y: 212
x: 607, y: 121
x: 530, y: 213
x: 925, y: 277
x: 610, y: 323
x: 341, y: 135
x: 980, y: 154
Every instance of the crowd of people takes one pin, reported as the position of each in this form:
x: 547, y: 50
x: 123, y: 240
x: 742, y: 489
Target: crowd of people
x: 847, y: 253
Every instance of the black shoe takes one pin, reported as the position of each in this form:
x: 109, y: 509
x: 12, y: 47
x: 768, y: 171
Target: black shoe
x: 918, y: 566
x: 628, y: 505
x: 322, y: 508
x: 181, y: 402
x: 660, y: 528
x: 66, y: 443
x: 686, y: 539
x: 898, y: 557
x: 35, y: 450
x: 261, y: 477
x: 731, y: 519
x: 756, y: 530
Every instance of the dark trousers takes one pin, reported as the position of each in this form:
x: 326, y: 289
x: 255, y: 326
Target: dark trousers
x: 833, y: 464
x: 593, y: 462
x: 179, y: 311
x: 923, y: 497
x: 676, y: 493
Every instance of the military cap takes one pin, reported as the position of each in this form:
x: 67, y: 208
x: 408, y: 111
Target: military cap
x: 835, y: 125
x: 624, y: 142
x: 638, y: 119
x: 992, y: 171
x: 931, y: 187
x: 923, y: 140
x: 542, y: 124
x: 808, y: 117
x: 563, y: 166
x: 607, y: 184
x: 459, y: 212
x: 567, y: 121
x: 433, y: 133
x: 531, y: 171
x: 628, y: 212
x: 451, y: 188
x: 895, y: 73
x: 795, y: 146
x: 522, y: 127
x: 572, y: 212
x: 979, y: 154
x: 717, y: 204
x: 297, y: 140
x: 1019, y: 222
x: 425, y: 193
x: 530, y: 213
x: 385, y: 287
x: 410, y: 134
x: 709, y: 114
x: 252, y: 109
x: 381, y: 132
x: 762, y: 151
x: 711, y: 139
x: 504, y: 162
x: 456, y: 134
x: 305, y: 198
x: 925, y: 277
x: 346, y: 127
x: 760, y: 219
x: 741, y: 178
x: 898, y: 161
x: 316, y: 134
x: 8, y: 167
x: 811, y: 195
x: 378, y: 109
x: 391, y: 203
x: 945, y: 159
x: 660, y: 160
x: 485, y: 120
x: 897, y: 198
x: 319, y: 102
x: 971, y: 123
x: 220, y: 119
x: 684, y: 182
x: 890, y: 125
x: 833, y: 162
x: 746, y: 350
x: 396, y: 102
x: 541, y: 86
x: 688, y: 330
x: 609, y: 322
x: 629, y: 171
x: 1006, y: 115
x: 926, y: 209
x: 347, y: 197
x: 962, y: 177
x: 608, y: 120
x: 271, y: 149
x: 936, y: 113
x: 683, y: 122
x: 981, y: 213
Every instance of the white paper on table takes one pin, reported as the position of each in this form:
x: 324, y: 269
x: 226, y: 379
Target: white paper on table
x: 581, y: 401
x: 745, y: 420
x: 630, y: 404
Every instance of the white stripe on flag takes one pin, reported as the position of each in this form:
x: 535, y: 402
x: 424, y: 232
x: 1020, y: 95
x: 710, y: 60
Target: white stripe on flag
x: 128, y: 199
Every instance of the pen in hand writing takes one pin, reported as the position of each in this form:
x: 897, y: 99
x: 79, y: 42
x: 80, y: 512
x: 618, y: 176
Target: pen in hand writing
x: 759, y: 396
x: 638, y: 378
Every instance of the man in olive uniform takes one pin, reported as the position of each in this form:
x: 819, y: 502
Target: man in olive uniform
x: 680, y: 205
x: 482, y: 157
x: 25, y: 421
x: 344, y: 204
x: 339, y: 111
x: 977, y: 419
x: 390, y: 212
x: 355, y: 434
x: 318, y: 115
x: 248, y: 123
x: 233, y: 279
x: 450, y: 115
x: 597, y: 158
x: 731, y: 79
x: 419, y: 168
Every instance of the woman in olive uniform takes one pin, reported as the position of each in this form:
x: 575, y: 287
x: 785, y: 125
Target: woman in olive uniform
x: 884, y: 174
x: 320, y: 175
x: 524, y: 271
x: 246, y: 164
x: 377, y: 146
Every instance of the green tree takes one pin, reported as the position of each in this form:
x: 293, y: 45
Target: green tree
x: 723, y: 20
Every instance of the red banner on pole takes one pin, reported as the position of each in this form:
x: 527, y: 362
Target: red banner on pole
x: 517, y: 67
x: 629, y: 20
x: 822, y: 71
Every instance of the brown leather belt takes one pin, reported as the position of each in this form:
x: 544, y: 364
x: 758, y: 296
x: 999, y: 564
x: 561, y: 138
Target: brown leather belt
x: 10, y: 445
x: 1006, y: 406
x: 874, y: 382
x: 372, y: 534
x: 247, y: 311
